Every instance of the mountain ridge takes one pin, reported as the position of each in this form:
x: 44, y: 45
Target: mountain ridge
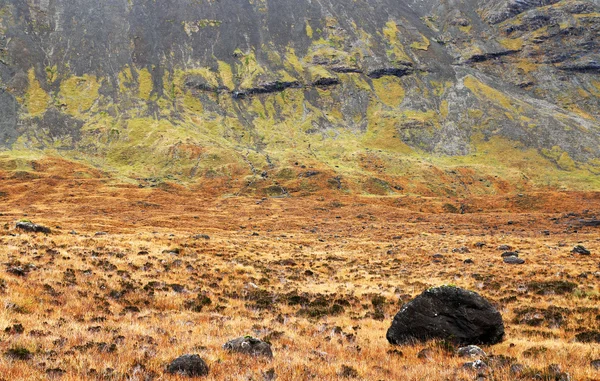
x: 254, y: 91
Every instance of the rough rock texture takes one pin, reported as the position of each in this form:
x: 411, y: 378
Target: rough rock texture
x: 448, y: 313
x: 188, y: 365
x: 250, y: 346
x: 31, y: 227
x: 211, y: 89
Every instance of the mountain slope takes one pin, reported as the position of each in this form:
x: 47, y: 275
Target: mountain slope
x: 381, y: 97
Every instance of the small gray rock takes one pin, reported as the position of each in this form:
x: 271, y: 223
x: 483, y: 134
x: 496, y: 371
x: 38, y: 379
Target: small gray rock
x: 505, y: 248
x: 510, y: 254
x: 188, y: 365
x: 514, y: 260
x: 595, y: 364
x: 250, y: 346
x: 472, y: 351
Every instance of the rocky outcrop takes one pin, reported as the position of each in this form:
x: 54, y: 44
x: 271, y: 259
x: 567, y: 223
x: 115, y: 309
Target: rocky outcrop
x: 447, y: 313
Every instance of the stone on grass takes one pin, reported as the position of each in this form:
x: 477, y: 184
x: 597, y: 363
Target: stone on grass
x: 472, y: 351
x: 188, y: 365
x: 29, y: 226
x: 250, y: 346
x: 580, y: 250
x: 514, y: 260
x: 448, y: 313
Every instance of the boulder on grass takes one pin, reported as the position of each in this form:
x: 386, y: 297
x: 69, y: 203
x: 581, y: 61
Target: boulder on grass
x: 188, y: 365
x: 448, y: 313
x: 250, y: 346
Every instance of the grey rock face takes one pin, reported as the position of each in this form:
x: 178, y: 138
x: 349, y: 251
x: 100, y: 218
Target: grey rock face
x: 448, y: 313
x: 250, y: 346
x: 188, y: 365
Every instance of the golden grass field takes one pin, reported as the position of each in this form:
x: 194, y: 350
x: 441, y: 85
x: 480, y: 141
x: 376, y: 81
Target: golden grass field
x: 181, y: 271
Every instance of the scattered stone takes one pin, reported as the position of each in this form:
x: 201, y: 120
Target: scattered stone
x: 348, y: 372
x: 17, y: 270
x: 514, y: 260
x: 480, y: 245
x: 472, y: 351
x: 99, y: 234
x: 580, y: 250
x: 201, y: 236
x: 29, y: 226
x: 250, y: 346
x: 510, y: 254
x: 595, y: 364
x: 188, y: 365
x: 505, y: 248
x: 449, y: 313
x: 468, y: 261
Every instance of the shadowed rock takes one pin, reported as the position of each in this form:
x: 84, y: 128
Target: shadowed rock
x: 188, y: 365
x: 250, y: 346
x: 31, y: 227
x: 448, y: 313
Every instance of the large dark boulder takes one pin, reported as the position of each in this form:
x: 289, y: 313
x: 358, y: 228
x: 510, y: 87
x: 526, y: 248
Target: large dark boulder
x: 188, y: 365
x: 450, y: 313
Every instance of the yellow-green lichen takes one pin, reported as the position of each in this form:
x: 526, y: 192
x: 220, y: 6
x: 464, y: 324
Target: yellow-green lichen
x: 78, y: 94
x: 145, y: 84
x: 36, y: 98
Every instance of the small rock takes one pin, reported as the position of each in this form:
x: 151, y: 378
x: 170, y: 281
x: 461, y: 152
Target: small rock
x: 580, y: 250
x: 249, y: 345
x: 468, y: 261
x: 514, y: 260
x: 188, y: 365
x: 475, y: 365
x: 99, y: 234
x: 505, y: 248
x: 29, y: 226
x: 472, y: 351
x: 480, y: 245
x: 595, y: 364
x: 510, y: 254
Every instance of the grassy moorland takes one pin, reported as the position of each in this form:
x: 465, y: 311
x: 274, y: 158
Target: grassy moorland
x: 132, y: 277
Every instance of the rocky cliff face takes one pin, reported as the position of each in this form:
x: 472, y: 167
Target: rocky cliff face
x: 421, y: 95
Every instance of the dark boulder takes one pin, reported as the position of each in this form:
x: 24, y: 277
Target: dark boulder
x: 579, y: 249
x: 31, y: 227
x: 188, y: 365
x: 250, y: 346
x: 449, y: 313
x: 514, y: 260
